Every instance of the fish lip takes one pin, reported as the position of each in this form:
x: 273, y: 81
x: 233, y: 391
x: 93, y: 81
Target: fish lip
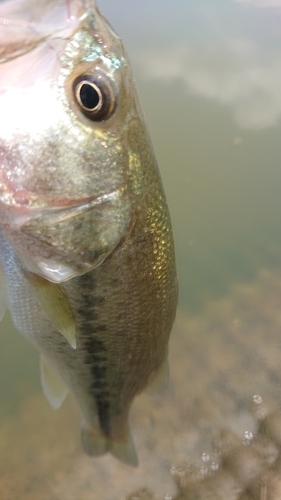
x: 28, y: 34
x: 54, y: 210
x: 62, y: 265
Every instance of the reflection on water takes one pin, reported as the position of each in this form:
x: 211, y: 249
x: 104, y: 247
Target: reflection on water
x: 209, y: 76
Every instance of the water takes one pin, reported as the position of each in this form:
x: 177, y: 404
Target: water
x: 209, y: 77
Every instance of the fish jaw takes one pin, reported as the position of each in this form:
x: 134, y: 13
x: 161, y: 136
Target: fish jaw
x: 48, y: 148
x: 64, y: 242
x: 66, y: 197
x: 26, y: 23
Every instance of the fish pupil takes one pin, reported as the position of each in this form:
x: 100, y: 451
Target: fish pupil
x: 90, y: 96
x: 95, y: 96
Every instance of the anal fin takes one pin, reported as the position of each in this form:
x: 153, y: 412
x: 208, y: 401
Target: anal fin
x: 53, y: 386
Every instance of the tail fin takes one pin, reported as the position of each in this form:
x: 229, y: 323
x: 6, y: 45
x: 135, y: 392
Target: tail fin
x: 125, y: 451
x: 96, y: 444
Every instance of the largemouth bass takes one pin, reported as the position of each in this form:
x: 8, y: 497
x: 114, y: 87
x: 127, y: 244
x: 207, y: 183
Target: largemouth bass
x: 86, y: 241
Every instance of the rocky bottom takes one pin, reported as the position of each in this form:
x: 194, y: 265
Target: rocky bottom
x: 214, y: 434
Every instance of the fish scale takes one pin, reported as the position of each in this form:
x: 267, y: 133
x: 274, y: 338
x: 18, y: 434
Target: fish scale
x: 86, y: 241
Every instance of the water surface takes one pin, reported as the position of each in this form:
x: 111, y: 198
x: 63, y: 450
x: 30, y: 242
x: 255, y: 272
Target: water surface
x: 209, y: 75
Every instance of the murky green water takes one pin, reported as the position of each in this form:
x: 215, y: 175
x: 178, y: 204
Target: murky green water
x: 209, y: 75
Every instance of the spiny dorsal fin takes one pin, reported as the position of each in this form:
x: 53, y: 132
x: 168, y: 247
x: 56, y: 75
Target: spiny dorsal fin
x: 53, y: 386
x: 55, y: 304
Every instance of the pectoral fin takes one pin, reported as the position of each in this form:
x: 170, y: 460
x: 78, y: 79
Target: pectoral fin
x: 55, y: 304
x: 160, y: 381
x: 53, y: 386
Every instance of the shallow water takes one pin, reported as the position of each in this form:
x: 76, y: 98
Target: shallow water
x: 209, y: 77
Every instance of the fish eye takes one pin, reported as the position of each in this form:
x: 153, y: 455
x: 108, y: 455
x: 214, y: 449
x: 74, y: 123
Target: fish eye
x: 95, y: 97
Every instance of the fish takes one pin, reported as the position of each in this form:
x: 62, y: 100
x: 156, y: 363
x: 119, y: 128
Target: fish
x: 86, y: 244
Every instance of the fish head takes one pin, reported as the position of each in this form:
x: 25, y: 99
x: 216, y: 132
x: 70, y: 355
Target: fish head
x: 71, y: 175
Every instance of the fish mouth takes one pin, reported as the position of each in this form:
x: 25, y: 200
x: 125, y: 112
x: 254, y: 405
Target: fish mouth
x: 52, y: 211
x: 24, y: 25
x: 61, y: 242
